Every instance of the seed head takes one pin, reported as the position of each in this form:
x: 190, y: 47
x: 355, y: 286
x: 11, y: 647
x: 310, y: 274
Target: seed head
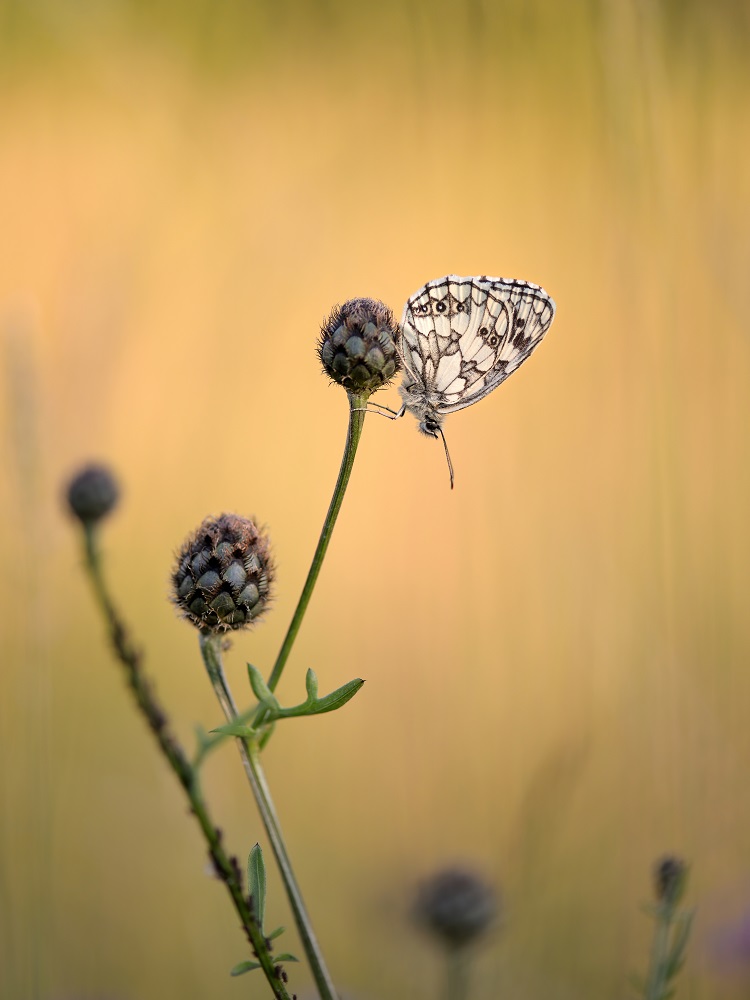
x: 223, y: 574
x: 92, y: 493
x: 670, y: 876
x: 357, y: 345
x: 456, y: 906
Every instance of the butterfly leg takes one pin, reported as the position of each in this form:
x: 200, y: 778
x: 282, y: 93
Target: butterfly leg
x: 378, y: 408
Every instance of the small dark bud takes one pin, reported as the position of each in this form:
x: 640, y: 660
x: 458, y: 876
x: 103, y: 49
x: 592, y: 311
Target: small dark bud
x: 223, y: 574
x: 357, y: 345
x: 670, y: 877
x: 235, y: 866
x: 92, y: 493
x: 455, y: 906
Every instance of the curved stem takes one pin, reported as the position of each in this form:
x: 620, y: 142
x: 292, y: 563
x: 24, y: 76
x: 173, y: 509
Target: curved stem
x: 211, y: 651
x: 225, y: 866
x: 357, y: 404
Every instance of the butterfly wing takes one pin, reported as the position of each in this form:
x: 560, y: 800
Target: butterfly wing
x: 462, y: 337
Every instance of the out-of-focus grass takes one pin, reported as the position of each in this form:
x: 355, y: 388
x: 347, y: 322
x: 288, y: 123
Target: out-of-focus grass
x: 556, y: 652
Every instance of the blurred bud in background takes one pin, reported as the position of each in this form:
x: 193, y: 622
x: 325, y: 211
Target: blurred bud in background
x: 456, y: 906
x: 670, y: 877
x: 92, y: 493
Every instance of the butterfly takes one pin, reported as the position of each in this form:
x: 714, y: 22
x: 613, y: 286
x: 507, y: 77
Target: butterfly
x: 460, y: 338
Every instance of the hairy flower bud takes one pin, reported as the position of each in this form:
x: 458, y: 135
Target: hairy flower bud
x: 357, y: 345
x: 223, y: 574
x: 456, y: 906
x: 92, y: 493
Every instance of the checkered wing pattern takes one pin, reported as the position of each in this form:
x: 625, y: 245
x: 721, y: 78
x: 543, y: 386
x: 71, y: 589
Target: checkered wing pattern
x: 462, y: 337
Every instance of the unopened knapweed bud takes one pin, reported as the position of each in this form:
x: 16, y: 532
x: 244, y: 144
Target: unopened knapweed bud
x: 357, y: 345
x: 92, y: 493
x: 670, y: 876
x: 456, y: 906
x: 223, y: 574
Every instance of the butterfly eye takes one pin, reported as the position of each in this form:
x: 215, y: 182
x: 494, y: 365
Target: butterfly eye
x: 440, y: 307
x: 494, y: 340
x: 483, y: 331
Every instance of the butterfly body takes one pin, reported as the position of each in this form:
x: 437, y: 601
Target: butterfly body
x: 424, y: 404
x: 462, y: 337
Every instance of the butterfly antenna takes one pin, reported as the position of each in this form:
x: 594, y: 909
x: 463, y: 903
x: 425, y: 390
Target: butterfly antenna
x: 447, y: 455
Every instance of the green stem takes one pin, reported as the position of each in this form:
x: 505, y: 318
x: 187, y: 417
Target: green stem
x: 226, y: 867
x: 456, y: 975
x: 211, y: 651
x: 658, y: 979
x: 357, y: 405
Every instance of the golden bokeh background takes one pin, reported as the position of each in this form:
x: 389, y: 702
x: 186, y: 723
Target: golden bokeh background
x: 557, y: 653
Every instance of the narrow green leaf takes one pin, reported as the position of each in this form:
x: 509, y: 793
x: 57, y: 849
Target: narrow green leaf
x: 682, y: 932
x: 235, y: 729
x: 285, y: 957
x: 311, y: 683
x: 243, y: 967
x: 676, y: 957
x: 260, y: 689
x: 274, y: 934
x: 337, y: 698
x: 329, y: 703
x: 256, y: 882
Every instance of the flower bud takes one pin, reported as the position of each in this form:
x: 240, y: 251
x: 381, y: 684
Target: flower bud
x: 456, y: 906
x: 670, y: 876
x: 223, y: 574
x: 92, y: 493
x: 357, y: 345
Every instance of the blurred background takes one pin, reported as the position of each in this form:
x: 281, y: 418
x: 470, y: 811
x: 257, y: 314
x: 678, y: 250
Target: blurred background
x: 556, y: 653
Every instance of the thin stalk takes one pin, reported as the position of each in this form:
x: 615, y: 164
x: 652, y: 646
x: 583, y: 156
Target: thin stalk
x: 658, y: 974
x: 456, y: 975
x: 657, y: 978
x: 226, y: 867
x: 357, y: 404
x: 211, y: 651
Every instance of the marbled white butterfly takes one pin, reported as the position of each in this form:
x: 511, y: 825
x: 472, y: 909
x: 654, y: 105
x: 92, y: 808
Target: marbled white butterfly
x: 461, y: 337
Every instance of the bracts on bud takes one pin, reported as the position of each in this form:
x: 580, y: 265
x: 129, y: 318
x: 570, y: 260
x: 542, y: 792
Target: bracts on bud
x: 357, y: 345
x: 223, y: 574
